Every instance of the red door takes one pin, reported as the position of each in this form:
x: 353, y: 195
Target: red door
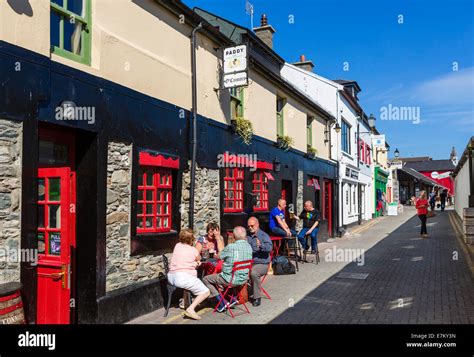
x: 56, y: 227
x: 328, y: 204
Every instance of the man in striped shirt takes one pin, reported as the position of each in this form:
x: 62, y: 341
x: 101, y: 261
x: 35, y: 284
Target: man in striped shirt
x: 238, y: 251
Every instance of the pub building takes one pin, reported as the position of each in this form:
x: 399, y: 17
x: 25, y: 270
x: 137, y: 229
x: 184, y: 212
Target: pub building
x: 95, y: 149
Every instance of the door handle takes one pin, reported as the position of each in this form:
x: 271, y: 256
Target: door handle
x: 62, y: 275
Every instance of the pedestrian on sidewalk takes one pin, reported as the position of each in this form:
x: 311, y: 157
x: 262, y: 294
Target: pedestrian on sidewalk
x: 422, y: 210
x: 432, y: 199
x: 261, y: 247
x: 443, y: 196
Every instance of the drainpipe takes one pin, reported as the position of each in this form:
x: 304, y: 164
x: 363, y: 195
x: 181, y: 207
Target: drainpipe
x: 471, y: 178
x: 193, y: 125
x: 359, y: 204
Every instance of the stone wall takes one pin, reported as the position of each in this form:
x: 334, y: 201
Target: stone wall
x: 207, y: 199
x: 123, y: 269
x: 299, y: 199
x: 10, y: 199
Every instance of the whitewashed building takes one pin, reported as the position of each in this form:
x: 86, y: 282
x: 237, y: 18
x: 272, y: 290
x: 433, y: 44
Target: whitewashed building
x: 351, y: 144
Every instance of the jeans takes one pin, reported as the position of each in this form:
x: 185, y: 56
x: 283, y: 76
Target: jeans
x: 280, y: 232
x: 314, y: 238
x: 443, y: 204
x: 423, y: 223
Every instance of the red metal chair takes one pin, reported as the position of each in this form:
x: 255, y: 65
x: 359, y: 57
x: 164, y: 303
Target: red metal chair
x: 263, y: 280
x: 231, y: 291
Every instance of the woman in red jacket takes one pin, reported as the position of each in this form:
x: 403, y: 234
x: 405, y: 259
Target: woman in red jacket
x: 422, y: 209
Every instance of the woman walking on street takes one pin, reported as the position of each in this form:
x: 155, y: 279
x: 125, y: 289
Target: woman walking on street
x: 422, y: 210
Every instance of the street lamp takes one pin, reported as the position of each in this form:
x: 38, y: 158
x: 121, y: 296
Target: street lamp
x: 371, y: 120
x: 396, y: 153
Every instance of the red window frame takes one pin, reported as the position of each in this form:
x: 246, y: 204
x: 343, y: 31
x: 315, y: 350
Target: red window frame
x: 368, y: 156
x: 361, y: 150
x: 260, y: 192
x: 154, y: 200
x: 233, y: 190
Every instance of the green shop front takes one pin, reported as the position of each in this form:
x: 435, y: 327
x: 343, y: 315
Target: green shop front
x: 380, y: 185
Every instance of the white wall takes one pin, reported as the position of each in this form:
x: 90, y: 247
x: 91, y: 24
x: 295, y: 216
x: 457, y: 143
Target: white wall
x: 461, y: 190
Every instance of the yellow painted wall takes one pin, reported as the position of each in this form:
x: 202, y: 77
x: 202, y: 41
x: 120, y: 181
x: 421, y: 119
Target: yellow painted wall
x: 141, y: 45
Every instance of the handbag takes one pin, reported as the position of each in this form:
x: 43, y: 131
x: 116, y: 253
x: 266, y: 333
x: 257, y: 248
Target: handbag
x: 243, y: 295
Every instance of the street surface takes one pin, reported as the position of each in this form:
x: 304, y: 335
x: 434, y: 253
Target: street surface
x: 402, y: 279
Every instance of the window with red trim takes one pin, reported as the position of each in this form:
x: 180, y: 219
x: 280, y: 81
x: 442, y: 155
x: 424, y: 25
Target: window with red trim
x: 260, y: 191
x: 154, y: 200
x: 234, y: 190
x: 368, y: 156
x: 361, y: 150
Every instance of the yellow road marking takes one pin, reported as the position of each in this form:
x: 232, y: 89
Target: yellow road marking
x: 181, y: 315
x: 364, y: 227
x: 200, y: 312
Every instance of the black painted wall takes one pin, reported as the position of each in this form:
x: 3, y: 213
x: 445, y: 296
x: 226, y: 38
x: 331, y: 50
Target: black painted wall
x: 32, y: 94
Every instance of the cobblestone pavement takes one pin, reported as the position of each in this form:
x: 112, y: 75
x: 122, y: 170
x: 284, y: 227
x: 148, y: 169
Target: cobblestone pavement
x: 403, y: 279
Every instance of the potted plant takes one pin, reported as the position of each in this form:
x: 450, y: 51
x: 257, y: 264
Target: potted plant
x: 243, y: 128
x: 284, y: 142
x: 311, y: 152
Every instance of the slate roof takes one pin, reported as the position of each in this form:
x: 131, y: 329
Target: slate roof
x: 431, y: 165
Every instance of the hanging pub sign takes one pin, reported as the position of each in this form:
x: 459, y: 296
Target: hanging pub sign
x: 235, y: 69
x: 378, y: 141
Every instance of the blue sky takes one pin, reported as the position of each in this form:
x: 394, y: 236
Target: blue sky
x: 426, y: 62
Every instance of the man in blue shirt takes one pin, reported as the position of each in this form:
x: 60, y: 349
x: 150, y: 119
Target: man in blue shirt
x: 278, y: 225
x: 261, y: 247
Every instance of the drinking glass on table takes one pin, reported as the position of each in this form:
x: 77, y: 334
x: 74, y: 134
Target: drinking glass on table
x: 211, y: 252
x: 205, y: 254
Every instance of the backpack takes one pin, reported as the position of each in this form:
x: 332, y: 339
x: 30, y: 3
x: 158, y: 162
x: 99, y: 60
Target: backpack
x: 282, y: 266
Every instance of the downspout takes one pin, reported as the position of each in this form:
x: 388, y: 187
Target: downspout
x: 340, y: 219
x: 359, y: 205
x: 193, y: 124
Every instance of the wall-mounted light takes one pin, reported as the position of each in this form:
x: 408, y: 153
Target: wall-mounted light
x: 371, y: 120
x: 397, y: 153
x: 68, y: 109
x: 276, y: 165
x: 337, y: 128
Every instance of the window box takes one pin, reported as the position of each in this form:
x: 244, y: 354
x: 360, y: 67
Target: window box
x: 284, y: 142
x: 311, y: 152
x: 243, y: 128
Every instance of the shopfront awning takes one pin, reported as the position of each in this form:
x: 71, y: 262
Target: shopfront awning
x: 269, y: 176
x: 314, y: 182
x: 415, y: 174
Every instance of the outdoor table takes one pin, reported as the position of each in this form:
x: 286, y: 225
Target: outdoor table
x: 210, y: 266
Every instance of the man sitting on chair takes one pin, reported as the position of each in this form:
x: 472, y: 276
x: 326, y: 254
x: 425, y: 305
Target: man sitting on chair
x: 238, y: 251
x: 278, y: 226
x: 311, y: 218
x: 261, y: 247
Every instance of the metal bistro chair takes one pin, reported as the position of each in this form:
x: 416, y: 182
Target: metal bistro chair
x: 296, y: 250
x: 316, y: 258
x: 171, y: 289
x: 234, y: 291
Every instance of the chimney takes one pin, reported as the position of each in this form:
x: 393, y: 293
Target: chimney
x: 265, y: 31
x: 304, y: 64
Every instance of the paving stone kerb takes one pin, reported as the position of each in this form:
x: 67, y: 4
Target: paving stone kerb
x: 400, y: 266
